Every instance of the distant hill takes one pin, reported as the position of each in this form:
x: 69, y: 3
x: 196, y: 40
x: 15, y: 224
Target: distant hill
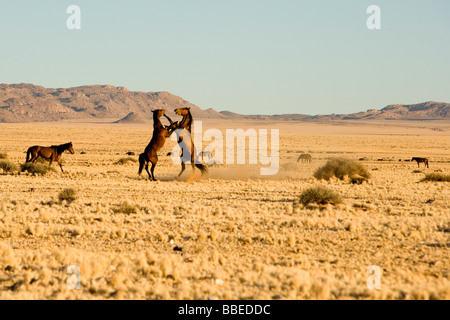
x: 30, y: 103
x: 421, y: 111
x: 133, y: 118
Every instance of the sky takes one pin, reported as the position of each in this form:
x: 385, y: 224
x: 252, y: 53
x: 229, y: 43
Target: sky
x: 245, y: 56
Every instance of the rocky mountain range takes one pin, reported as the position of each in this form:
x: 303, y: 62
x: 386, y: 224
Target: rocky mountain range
x: 32, y: 103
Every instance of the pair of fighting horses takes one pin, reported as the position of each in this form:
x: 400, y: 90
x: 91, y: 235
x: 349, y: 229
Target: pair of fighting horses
x: 161, y: 132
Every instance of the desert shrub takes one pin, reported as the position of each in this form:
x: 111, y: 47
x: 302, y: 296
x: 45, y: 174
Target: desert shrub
x: 319, y: 195
x: 125, y: 160
x: 36, y: 168
x: 3, y: 156
x: 8, y: 166
x: 437, y: 177
x: 342, y: 168
x: 68, y: 195
x: 42, y: 160
x: 125, y: 207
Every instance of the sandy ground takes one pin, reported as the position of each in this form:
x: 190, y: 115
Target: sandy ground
x: 232, y: 234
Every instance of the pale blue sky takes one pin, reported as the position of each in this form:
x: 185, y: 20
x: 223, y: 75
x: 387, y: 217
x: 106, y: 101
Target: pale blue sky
x: 246, y: 56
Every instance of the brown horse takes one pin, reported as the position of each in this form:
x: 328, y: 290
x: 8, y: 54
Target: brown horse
x: 305, y: 158
x: 52, y: 153
x: 150, y: 154
x: 186, y: 123
x: 419, y: 160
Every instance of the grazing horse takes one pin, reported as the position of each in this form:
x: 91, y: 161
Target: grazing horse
x: 305, y: 158
x: 52, y: 153
x: 183, y: 140
x: 150, y: 154
x: 419, y: 160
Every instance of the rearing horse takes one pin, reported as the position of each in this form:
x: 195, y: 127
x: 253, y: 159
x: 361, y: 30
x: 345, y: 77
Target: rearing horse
x: 150, y: 154
x: 186, y: 123
x: 52, y: 153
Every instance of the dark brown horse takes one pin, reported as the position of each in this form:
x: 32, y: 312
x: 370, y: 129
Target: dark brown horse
x: 305, y: 158
x: 419, y: 160
x: 150, y: 154
x: 186, y: 123
x: 52, y: 153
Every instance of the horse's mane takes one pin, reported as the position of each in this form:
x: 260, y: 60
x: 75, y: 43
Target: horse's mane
x: 186, y: 122
x: 62, y: 147
x: 156, y: 121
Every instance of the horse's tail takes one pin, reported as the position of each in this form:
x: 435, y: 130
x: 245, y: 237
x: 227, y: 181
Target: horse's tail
x: 203, y: 168
x: 28, y: 155
x: 141, y: 162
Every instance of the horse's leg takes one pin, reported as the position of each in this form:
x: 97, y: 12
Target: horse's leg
x: 152, y: 171
x: 60, y: 165
x: 146, y: 169
x: 34, y: 157
x: 183, y: 166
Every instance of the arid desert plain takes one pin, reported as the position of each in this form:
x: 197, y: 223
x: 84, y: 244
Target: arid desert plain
x: 231, y: 234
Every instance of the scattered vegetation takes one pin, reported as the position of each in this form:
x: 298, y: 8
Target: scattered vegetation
x: 42, y: 160
x: 69, y: 195
x: 8, y: 166
x: 125, y: 160
x: 3, y: 156
x: 342, y: 169
x: 125, y: 208
x: 320, y: 195
x: 35, y: 168
x: 437, y: 177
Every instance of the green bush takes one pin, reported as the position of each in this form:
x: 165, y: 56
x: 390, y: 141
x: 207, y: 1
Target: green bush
x: 341, y: 168
x: 437, y: 177
x: 69, y: 195
x: 36, y: 168
x: 8, y: 166
x: 319, y: 195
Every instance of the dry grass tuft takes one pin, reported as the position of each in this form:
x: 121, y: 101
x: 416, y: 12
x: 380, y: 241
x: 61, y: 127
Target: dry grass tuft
x: 35, y: 168
x: 3, y: 156
x: 342, y: 169
x: 441, y: 177
x: 125, y: 208
x: 68, y: 195
x: 320, y: 195
x: 8, y: 166
x: 123, y: 161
